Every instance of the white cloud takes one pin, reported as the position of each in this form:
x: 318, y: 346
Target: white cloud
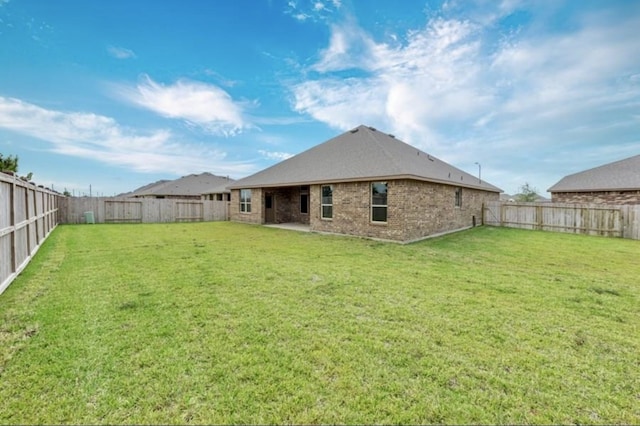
x: 220, y: 78
x: 349, y: 47
x: 200, y: 104
x: 100, y: 138
x: 314, y: 10
x: 274, y: 155
x: 406, y: 89
x: 120, y: 52
x: 454, y: 88
x: 300, y: 16
x: 334, y: 101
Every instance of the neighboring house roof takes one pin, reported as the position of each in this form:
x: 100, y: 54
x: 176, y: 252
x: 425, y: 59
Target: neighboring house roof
x: 623, y: 175
x: 363, y: 153
x: 146, y: 187
x: 191, y: 185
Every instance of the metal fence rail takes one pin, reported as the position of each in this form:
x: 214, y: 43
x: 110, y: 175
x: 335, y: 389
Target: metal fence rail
x: 28, y: 214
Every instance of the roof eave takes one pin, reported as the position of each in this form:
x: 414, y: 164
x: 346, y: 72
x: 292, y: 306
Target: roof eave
x: 552, y: 190
x: 366, y: 179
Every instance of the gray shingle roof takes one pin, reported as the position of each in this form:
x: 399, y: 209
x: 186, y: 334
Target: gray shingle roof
x: 146, y: 187
x: 363, y: 153
x: 623, y: 175
x: 191, y: 185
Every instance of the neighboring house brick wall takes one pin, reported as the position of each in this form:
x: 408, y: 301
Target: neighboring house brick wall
x: 601, y: 197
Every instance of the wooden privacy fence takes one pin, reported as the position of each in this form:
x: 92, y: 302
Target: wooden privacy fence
x: 608, y: 220
x: 140, y: 210
x: 28, y: 214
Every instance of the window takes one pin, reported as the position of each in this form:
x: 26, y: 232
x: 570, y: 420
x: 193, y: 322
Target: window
x: 245, y: 200
x: 304, y: 199
x: 379, y: 201
x: 458, y: 197
x: 326, y: 204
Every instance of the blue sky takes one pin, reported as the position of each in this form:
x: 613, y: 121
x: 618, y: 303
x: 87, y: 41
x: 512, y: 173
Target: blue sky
x: 117, y: 94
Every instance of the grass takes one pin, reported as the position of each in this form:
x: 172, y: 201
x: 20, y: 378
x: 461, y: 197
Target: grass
x: 231, y: 323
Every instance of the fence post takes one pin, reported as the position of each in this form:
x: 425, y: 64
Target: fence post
x: 590, y: 219
x: 12, y: 224
x: 28, y: 220
x: 539, y: 217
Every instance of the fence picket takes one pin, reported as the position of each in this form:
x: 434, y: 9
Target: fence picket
x: 591, y: 219
x: 28, y: 214
x: 142, y: 210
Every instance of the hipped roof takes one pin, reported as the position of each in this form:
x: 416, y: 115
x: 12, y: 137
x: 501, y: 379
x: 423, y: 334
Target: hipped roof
x: 363, y: 153
x: 623, y: 175
x: 190, y: 185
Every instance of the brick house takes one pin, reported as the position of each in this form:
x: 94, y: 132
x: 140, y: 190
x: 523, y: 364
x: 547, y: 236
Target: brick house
x: 364, y: 183
x: 612, y: 183
x: 204, y: 186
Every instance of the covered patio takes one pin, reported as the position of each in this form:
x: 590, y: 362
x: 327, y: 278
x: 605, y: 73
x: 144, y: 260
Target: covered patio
x: 286, y: 205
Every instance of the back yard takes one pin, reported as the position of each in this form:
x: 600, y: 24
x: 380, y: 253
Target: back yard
x: 230, y: 323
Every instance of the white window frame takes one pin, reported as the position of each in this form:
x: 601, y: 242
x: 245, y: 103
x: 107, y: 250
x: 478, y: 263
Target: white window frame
x: 245, y: 201
x: 379, y: 206
x: 323, y: 205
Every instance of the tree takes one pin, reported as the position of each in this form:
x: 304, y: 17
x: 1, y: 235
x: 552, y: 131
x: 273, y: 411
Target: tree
x: 9, y: 163
x: 527, y: 193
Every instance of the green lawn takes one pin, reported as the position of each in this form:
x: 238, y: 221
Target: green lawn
x: 231, y: 323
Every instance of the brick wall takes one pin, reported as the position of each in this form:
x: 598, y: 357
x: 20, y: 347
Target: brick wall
x: 429, y: 208
x: 286, y: 202
x: 351, y: 212
x: 415, y: 210
x: 602, y: 197
x: 257, y: 204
